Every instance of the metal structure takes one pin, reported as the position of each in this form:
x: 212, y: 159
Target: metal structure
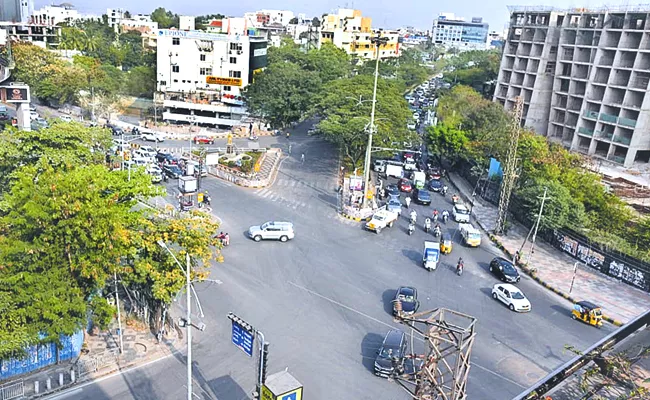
x: 12, y: 390
x: 510, y: 166
x: 441, y: 372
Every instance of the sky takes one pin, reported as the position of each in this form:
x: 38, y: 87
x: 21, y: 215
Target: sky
x: 388, y: 14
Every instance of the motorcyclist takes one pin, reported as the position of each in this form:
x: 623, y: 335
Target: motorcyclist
x: 444, y: 190
x: 408, y: 202
x: 411, y: 228
x: 206, y: 198
x: 445, y: 216
x: 427, y: 225
x: 455, y: 198
x: 414, y: 216
x: 435, y: 215
x: 460, y: 265
x: 437, y: 231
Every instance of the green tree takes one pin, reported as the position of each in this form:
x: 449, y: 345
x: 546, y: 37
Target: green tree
x: 446, y: 142
x: 345, y: 118
x: 141, y: 81
x: 165, y: 19
x: 560, y: 208
x: 315, y: 22
x: 293, y: 21
x: 329, y: 62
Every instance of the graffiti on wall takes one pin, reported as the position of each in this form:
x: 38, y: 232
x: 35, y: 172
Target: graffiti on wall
x: 630, y: 275
x: 578, y: 250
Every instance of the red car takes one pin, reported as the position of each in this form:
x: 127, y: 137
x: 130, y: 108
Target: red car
x: 203, y: 140
x: 405, y: 185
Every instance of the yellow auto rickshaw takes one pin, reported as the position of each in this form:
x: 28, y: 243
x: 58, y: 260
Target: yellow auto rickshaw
x: 445, y: 243
x: 587, y: 312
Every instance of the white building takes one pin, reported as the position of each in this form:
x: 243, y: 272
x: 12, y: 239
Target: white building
x: 115, y: 16
x: 451, y: 31
x: 201, y: 75
x: 186, y: 23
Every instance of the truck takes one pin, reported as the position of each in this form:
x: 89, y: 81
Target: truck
x: 419, y: 179
x: 471, y: 235
x: 381, y: 219
x: 394, y: 170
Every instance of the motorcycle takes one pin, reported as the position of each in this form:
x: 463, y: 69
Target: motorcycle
x: 437, y: 232
x: 411, y: 228
x: 427, y: 225
x: 445, y: 218
x: 459, y: 268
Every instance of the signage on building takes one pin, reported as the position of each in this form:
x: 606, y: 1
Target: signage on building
x: 200, y: 35
x: 217, y: 80
x: 259, y: 52
x: 15, y: 94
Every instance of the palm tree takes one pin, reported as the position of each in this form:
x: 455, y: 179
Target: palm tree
x: 91, y: 43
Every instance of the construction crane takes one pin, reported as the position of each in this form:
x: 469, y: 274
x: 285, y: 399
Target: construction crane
x: 440, y: 373
x: 510, y: 166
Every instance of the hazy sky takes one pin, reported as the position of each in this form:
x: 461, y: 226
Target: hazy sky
x: 385, y: 13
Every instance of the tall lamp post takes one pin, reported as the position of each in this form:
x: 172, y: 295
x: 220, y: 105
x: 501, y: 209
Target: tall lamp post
x: 377, y: 41
x: 188, y: 324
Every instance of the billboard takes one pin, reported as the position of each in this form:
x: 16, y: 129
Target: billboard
x: 258, y: 58
x: 14, y: 94
x: 218, y: 80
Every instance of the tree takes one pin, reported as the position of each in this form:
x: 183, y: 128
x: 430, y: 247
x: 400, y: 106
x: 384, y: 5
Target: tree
x: 282, y: 93
x: 127, y: 14
x: 315, y: 22
x: 293, y: 21
x: 141, y: 82
x: 165, y: 19
x: 345, y: 119
x: 560, y: 209
x: 475, y: 68
x: 446, y: 141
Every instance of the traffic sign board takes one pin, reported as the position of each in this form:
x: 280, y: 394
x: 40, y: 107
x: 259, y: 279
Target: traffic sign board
x: 242, y: 338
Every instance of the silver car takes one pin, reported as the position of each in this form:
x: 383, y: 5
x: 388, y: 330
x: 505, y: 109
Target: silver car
x: 273, y: 230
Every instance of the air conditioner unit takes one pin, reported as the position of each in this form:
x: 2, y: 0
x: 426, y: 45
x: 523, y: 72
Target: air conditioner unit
x: 239, y: 52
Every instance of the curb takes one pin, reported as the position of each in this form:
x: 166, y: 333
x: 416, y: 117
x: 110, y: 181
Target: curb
x: 524, y: 267
x: 357, y: 219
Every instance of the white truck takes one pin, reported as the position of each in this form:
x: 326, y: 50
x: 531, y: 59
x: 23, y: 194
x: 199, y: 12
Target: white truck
x: 395, y: 171
x: 419, y: 179
x: 381, y: 219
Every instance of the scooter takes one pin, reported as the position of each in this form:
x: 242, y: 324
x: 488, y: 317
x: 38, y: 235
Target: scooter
x: 411, y: 228
x: 459, y: 269
x: 427, y: 225
x: 445, y: 218
x: 436, y: 232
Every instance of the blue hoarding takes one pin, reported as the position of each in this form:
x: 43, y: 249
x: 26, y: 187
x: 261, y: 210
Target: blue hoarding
x: 242, y: 338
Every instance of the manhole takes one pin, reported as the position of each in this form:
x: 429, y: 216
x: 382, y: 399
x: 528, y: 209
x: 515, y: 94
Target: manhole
x: 140, y: 348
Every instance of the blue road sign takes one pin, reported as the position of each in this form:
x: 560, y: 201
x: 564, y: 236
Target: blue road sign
x: 290, y: 396
x: 242, y: 338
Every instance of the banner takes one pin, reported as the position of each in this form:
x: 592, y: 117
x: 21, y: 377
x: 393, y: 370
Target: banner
x: 217, y: 80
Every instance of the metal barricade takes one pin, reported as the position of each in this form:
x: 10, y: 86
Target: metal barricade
x: 12, y: 390
x: 96, y: 362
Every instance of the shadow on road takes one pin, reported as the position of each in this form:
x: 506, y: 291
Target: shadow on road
x: 484, y: 266
x: 387, y: 298
x: 561, y: 310
x: 486, y: 291
x: 369, y: 347
x: 413, y: 255
x: 225, y: 388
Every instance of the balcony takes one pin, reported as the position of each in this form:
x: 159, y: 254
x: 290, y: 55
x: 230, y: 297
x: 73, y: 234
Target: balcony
x: 616, y: 159
x: 622, y: 139
x: 591, y: 114
x: 584, y: 131
x: 608, y: 118
x: 627, y: 122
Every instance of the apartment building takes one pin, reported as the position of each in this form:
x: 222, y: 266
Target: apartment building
x: 454, y: 32
x: 350, y: 31
x: 200, y: 75
x: 583, y: 75
x: 17, y: 11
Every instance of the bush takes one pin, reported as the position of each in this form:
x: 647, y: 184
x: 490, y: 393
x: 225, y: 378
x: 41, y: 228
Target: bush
x: 102, y: 312
x: 232, y: 164
x: 246, y: 166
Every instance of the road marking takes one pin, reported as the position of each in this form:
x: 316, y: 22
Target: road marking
x: 78, y: 389
x: 392, y: 327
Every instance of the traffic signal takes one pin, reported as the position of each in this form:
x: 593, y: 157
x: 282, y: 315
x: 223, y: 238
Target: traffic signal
x: 265, y: 361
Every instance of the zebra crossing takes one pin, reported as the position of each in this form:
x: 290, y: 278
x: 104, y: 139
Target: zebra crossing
x: 294, y: 194
x: 271, y: 195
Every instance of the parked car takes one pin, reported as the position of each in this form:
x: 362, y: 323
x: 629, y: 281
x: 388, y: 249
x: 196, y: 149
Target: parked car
x: 511, y: 296
x: 408, y: 296
x: 421, y: 196
x: 33, y: 115
x: 277, y: 230
x: 155, y: 172
x: 152, y: 137
x: 435, y: 185
x: 116, y: 131
x: 504, y: 270
x: 393, y: 347
x: 201, y: 139
x: 172, y: 171
x: 405, y: 185
x: 65, y: 118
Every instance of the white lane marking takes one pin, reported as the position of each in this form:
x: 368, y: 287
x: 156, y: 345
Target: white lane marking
x: 79, y: 388
x: 293, y: 183
x: 392, y: 327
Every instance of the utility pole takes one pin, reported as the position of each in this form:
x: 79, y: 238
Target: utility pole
x: 510, y: 167
x: 377, y: 41
x: 539, y: 218
x: 188, y: 289
x: 119, y: 317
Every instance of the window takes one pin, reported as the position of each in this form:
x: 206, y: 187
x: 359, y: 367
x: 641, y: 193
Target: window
x: 550, y: 67
x: 233, y: 60
x: 205, y: 71
x: 202, y: 57
x: 226, y: 88
x: 175, y: 68
x: 175, y: 80
x: 235, y: 46
x: 176, y: 41
x: 234, y: 74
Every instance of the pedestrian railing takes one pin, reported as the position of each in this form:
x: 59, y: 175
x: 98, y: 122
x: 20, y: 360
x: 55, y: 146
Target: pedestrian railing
x: 96, y: 362
x: 12, y: 390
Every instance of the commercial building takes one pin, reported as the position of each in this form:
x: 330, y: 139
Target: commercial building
x: 451, y: 31
x: 16, y: 10
x: 583, y: 75
x: 350, y: 31
x: 40, y: 35
x: 200, y: 75
x: 268, y: 17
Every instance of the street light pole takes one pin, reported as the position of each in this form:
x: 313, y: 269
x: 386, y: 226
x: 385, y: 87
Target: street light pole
x: 377, y: 41
x: 119, y: 317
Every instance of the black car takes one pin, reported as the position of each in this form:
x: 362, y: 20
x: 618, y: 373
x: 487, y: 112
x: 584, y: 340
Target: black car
x: 392, y: 190
x: 504, y: 270
x: 172, y: 171
x: 116, y: 131
x: 421, y: 196
x: 408, y: 296
x: 166, y: 158
x: 393, y: 347
x: 435, y: 185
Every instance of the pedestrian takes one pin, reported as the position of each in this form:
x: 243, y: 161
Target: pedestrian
x: 289, y: 148
x: 517, y: 255
x: 250, y: 127
x: 302, y: 158
x: 226, y: 239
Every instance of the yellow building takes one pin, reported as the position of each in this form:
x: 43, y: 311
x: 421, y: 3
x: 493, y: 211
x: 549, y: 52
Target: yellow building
x: 350, y: 31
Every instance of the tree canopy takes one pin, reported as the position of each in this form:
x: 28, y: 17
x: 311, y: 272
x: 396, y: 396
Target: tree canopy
x: 165, y: 19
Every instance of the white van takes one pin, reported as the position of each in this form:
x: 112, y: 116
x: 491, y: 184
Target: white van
x: 395, y: 171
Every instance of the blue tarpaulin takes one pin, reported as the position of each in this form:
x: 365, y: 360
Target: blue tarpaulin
x: 40, y: 356
x: 495, y: 168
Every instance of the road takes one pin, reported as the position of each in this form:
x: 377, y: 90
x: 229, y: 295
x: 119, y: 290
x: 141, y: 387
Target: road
x: 323, y: 300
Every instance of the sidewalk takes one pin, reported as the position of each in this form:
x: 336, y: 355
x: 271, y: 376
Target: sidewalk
x: 554, y: 269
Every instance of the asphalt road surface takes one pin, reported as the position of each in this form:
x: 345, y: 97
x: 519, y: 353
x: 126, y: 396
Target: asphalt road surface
x: 323, y: 300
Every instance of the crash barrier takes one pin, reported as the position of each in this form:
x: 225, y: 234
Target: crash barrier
x: 544, y: 385
x: 596, y: 255
x: 42, y: 355
x: 96, y: 362
x: 12, y: 390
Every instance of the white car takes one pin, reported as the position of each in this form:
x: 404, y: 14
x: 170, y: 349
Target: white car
x: 281, y: 231
x: 65, y: 118
x: 511, y: 296
x: 152, y: 137
x: 149, y: 151
x: 33, y: 115
x: 144, y: 155
x: 411, y: 126
x: 460, y: 213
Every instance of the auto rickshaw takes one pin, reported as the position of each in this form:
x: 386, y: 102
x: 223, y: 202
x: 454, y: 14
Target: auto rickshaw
x: 445, y: 243
x: 588, y: 313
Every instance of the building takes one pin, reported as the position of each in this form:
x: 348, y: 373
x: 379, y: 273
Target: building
x: 496, y: 40
x: 115, y: 16
x: 200, y: 75
x: 16, y: 10
x: 268, y: 17
x: 186, y: 23
x: 40, y: 35
x: 583, y: 75
x: 352, y: 32
x: 451, y: 31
